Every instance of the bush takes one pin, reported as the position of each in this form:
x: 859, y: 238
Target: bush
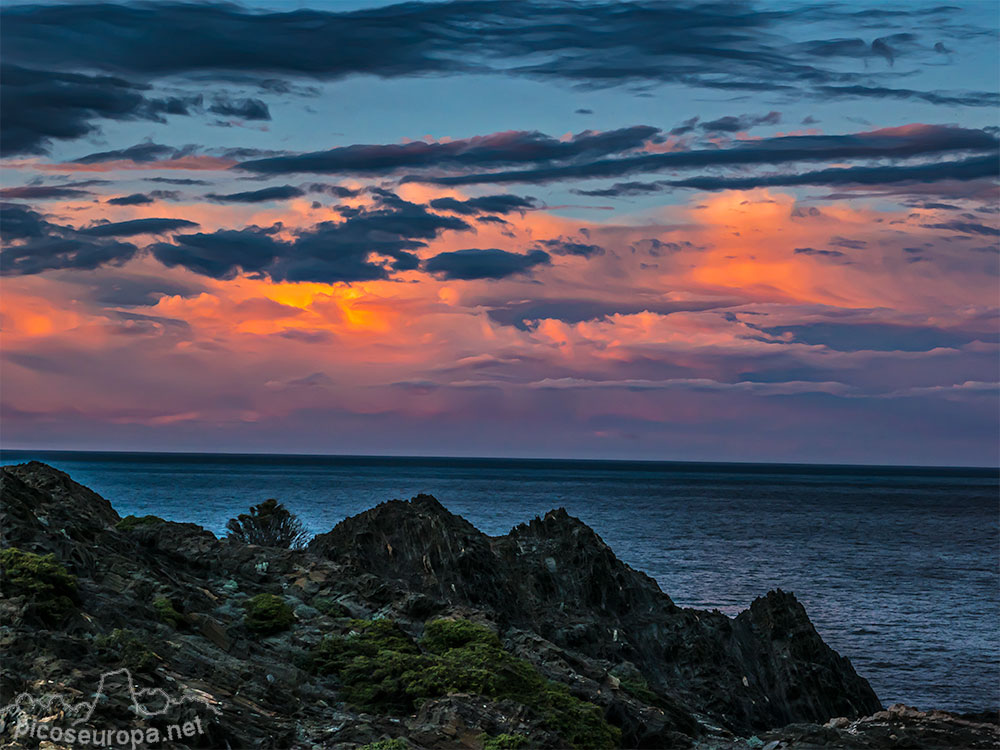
x: 383, y: 670
x: 125, y: 648
x: 49, y: 588
x: 269, y: 524
x: 132, y: 522
x: 504, y: 741
x: 330, y: 608
x: 165, y: 609
x: 396, y: 744
x: 267, y: 614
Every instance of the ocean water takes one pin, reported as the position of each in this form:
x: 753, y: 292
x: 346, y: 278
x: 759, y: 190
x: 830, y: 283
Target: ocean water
x: 897, y: 567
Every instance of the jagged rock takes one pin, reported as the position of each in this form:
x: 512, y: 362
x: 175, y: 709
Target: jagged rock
x: 556, y: 577
x: 551, y: 588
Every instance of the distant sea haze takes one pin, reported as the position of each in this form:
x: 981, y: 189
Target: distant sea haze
x: 897, y: 567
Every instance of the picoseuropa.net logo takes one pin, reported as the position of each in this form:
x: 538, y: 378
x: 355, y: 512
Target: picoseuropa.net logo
x: 50, y: 717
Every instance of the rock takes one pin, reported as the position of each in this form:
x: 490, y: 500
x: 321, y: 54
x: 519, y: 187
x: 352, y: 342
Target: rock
x: 554, y: 592
x: 556, y: 577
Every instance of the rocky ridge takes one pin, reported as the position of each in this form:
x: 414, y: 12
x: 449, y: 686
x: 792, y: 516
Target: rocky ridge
x: 169, y: 602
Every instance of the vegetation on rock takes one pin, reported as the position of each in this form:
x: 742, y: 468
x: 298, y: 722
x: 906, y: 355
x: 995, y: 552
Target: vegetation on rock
x: 269, y: 524
x: 330, y: 608
x: 394, y: 744
x: 165, y: 609
x: 133, y: 522
x: 382, y: 669
x: 125, y: 648
x: 266, y: 614
x: 49, y: 588
x: 504, y: 742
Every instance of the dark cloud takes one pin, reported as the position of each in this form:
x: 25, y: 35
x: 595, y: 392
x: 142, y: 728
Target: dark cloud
x: 247, y: 109
x: 137, y: 226
x: 33, y: 244
x: 891, y: 143
x: 280, y: 193
x: 492, y: 263
x: 568, y: 247
x: 491, y: 204
x: 38, y: 106
x: 59, y: 252
x: 177, y: 181
x: 522, y: 314
x: 735, y: 124
x: 43, y: 192
x: 494, y: 150
x: 19, y: 222
x: 968, y: 169
x: 135, y: 199
x: 965, y: 227
x: 141, y: 153
x: 730, y: 45
x: 948, y: 99
x: 813, y: 251
x: 329, y: 252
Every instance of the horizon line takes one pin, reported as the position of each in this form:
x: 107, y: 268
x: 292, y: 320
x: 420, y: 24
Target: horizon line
x: 539, y: 459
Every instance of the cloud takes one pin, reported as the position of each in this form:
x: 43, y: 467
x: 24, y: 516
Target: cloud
x: 484, y: 264
x: 328, y: 252
x: 724, y: 45
x: 908, y: 141
x: 141, y: 152
x: 280, y: 193
x: 813, y: 251
x: 38, y: 106
x: 493, y: 204
x: 137, y: 226
x: 33, y: 244
x: 43, y: 192
x: 247, y: 109
x: 968, y: 169
x: 965, y: 227
x: 494, y: 150
x: 135, y: 199
x: 568, y: 247
x: 60, y: 252
x: 735, y: 124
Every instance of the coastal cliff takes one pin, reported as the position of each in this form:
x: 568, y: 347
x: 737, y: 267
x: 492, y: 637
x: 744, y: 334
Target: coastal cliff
x: 405, y: 626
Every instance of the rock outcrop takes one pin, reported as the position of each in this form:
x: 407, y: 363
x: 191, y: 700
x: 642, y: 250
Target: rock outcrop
x: 167, y: 602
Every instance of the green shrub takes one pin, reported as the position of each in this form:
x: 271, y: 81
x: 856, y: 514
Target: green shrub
x: 125, y: 648
x: 165, y: 609
x: 330, y: 608
x: 49, y: 588
x: 269, y: 524
x: 266, y: 614
x: 395, y: 744
x: 133, y: 522
x: 381, y: 669
x: 638, y: 687
x: 503, y: 741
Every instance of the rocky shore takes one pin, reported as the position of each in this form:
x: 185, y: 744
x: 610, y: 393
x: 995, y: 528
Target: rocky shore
x: 403, y: 627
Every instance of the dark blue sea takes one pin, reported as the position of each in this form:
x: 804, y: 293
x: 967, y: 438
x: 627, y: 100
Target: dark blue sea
x: 897, y: 567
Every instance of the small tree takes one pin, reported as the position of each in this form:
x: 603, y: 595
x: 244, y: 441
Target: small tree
x: 269, y: 524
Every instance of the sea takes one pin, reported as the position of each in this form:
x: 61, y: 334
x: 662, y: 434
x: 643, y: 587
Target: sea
x: 898, y: 568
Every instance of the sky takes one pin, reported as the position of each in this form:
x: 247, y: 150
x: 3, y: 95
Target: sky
x: 713, y: 231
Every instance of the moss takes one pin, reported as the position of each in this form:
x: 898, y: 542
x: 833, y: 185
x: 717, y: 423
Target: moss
x: 165, y: 609
x: 330, y: 608
x: 503, y: 741
x: 132, y: 522
x: 382, y: 669
x: 266, y: 614
x: 125, y: 648
x: 395, y: 744
x: 639, y: 688
x: 49, y: 588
